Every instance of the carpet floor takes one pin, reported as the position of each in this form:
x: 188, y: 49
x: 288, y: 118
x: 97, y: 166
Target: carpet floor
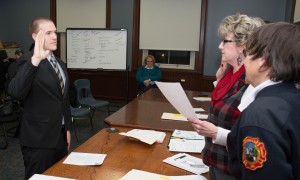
x: 11, y: 160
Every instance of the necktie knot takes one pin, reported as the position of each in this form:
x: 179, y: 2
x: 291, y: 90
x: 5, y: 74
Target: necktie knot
x: 53, y: 60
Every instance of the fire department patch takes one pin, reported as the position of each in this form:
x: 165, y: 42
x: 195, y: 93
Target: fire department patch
x: 254, y: 153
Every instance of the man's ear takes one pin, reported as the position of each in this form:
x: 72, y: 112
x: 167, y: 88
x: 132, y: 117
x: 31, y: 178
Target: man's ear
x: 33, y: 35
x: 263, y: 64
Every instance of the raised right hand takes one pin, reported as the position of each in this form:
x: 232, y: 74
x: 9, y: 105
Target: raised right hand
x: 39, y: 53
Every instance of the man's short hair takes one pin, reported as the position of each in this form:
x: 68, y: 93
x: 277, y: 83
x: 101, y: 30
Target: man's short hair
x: 19, y: 51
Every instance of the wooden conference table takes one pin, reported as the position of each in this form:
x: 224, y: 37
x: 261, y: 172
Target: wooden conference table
x: 123, y: 155
x: 146, y: 110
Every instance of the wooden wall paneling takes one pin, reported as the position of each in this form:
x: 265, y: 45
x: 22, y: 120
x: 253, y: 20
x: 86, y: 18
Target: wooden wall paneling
x: 192, y: 80
x: 199, y: 62
x: 207, y: 83
x: 136, y: 53
x: 108, y: 13
x: 53, y: 18
x: 112, y: 85
x: 104, y: 84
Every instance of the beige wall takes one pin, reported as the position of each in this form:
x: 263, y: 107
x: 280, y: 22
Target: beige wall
x: 80, y: 14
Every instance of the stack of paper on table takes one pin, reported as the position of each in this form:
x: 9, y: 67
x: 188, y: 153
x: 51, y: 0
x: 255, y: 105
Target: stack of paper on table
x: 84, y: 159
x: 202, y: 98
x: 46, y: 177
x: 179, y: 117
x: 146, y: 136
x: 198, y: 109
x: 186, y: 141
x: 135, y: 174
x: 187, y: 162
x: 202, y: 116
x: 172, y: 116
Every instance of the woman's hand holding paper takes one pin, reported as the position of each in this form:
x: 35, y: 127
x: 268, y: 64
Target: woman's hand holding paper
x: 204, y: 128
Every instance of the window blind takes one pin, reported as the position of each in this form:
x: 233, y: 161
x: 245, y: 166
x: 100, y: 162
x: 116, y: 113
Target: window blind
x: 170, y: 24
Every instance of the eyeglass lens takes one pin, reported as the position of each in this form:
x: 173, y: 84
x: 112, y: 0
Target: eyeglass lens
x: 227, y: 41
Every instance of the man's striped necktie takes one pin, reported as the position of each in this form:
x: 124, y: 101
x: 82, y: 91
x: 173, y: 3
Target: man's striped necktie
x: 61, y: 81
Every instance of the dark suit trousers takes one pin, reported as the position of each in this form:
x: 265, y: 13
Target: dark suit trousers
x: 38, y: 160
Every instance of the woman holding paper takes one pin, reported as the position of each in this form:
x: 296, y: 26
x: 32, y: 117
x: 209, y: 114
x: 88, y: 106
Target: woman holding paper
x: 234, y: 31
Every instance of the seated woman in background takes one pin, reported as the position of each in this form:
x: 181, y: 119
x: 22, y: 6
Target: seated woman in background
x: 147, y: 74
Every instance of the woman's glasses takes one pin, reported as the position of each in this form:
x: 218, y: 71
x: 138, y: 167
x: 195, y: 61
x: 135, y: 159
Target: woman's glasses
x: 224, y: 41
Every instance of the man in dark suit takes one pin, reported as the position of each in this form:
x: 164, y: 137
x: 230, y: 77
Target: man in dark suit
x: 41, y: 84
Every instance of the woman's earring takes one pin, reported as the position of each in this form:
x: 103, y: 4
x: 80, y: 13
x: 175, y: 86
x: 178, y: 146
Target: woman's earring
x: 239, y: 60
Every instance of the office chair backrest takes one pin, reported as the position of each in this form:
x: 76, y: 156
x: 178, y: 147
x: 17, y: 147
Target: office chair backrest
x: 83, y: 89
x: 6, y: 108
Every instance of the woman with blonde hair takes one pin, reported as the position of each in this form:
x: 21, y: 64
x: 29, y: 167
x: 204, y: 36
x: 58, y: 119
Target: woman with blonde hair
x: 235, y: 31
x: 147, y: 74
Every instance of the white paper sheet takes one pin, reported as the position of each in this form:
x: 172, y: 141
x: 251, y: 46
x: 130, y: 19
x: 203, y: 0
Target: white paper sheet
x: 191, y: 146
x: 186, y: 141
x: 179, y: 117
x: 46, y: 177
x: 135, y: 174
x: 202, y: 116
x: 183, y: 134
x: 84, y: 159
x: 177, y: 97
x: 188, y: 163
x: 172, y: 116
x: 187, y: 177
x: 146, y: 136
x: 199, y: 110
x: 202, y: 98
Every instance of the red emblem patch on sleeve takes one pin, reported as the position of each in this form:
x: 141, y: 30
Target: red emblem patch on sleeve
x: 254, y: 153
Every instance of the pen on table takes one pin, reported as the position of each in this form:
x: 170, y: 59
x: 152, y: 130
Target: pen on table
x: 194, y: 139
x: 193, y: 164
x: 174, y: 137
x: 180, y: 157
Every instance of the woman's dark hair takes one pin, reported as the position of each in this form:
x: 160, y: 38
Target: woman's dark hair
x: 279, y: 44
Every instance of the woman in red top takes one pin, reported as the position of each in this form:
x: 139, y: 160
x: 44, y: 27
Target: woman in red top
x: 234, y: 31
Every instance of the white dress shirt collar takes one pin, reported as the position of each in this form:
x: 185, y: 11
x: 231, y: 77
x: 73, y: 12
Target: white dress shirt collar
x: 251, y: 92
